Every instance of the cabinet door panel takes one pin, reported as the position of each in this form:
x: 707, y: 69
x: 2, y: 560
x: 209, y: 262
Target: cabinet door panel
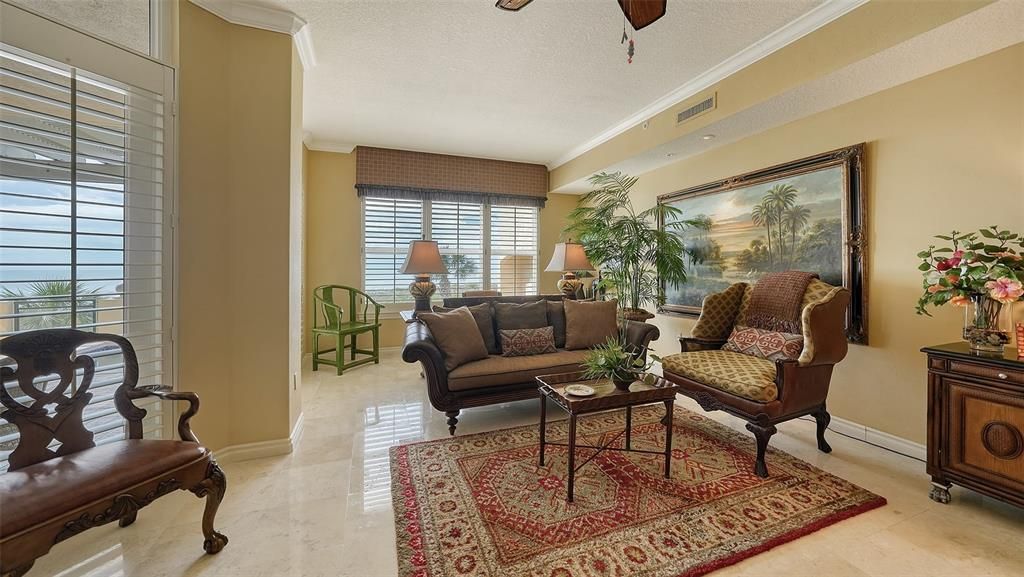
x: 986, y: 434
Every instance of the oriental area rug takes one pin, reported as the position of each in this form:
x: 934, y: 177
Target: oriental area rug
x: 479, y: 505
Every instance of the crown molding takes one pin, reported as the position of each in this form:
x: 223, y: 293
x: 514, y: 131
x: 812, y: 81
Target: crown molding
x: 791, y: 32
x: 264, y: 18
x: 327, y: 146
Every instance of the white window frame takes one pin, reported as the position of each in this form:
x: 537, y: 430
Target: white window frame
x: 392, y: 310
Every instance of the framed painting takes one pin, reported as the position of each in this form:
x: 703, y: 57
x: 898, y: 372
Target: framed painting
x: 804, y: 215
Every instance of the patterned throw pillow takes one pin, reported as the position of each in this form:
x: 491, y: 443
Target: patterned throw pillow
x: 771, y: 345
x: 523, y: 342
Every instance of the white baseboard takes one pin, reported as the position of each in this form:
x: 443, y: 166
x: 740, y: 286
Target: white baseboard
x: 261, y: 449
x: 879, y: 438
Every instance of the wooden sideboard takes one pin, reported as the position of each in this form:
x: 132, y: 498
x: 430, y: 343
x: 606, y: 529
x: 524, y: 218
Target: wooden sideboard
x: 975, y: 422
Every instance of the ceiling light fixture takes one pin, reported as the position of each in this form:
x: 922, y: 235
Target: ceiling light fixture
x: 708, y: 137
x: 511, y: 5
x: 639, y: 14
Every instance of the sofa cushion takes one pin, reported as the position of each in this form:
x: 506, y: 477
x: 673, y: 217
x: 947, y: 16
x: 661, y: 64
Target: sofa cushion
x: 457, y: 335
x: 56, y: 486
x: 589, y: 323
x: 735, y: 373
x: 526, y: 342
x: 556, y: 318
x: 484, y: 318
x: 495, y: 371
x: 509, y: 316
x: 771, y: 345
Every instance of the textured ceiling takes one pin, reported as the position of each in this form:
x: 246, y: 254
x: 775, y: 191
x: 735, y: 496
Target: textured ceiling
x: 462, y: 77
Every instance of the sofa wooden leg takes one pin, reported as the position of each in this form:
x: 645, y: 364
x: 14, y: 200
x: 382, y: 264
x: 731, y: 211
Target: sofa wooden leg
x: 762, y: 434
x: 128, y: 519
x: 213, y: 488
x: 453, y: 419
x: 822, y: 417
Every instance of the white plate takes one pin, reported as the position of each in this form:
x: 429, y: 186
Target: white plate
x: 579, y: 390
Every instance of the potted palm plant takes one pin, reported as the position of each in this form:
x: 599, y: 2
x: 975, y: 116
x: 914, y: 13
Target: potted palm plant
x: 637, y: 257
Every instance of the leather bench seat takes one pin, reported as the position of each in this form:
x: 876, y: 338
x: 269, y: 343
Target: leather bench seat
x: 497, y: 370
x: 742, y: 375
x: 51, y: 488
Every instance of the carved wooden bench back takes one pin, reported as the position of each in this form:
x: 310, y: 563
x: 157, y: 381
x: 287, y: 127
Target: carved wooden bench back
x: 48, y: 352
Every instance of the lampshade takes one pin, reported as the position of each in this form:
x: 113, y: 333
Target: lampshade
x: 569, y: 256
x: 423, y: 258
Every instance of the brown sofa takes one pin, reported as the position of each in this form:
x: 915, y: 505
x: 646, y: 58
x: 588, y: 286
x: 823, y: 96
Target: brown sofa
x: 495, y: 379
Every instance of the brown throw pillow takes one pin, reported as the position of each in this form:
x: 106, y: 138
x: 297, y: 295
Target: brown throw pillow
x: 508, y: 316
x: 589, y: 323
x: 457, y: 336
x: 556, y: 318
x: 484, y: 322
x: 523, y: 342
x: 771, y: 345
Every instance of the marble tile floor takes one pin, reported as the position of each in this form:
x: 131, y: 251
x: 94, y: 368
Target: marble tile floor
x: 325, y: 509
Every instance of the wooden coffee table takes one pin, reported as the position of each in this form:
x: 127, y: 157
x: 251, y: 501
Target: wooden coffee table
x: 606, y: 398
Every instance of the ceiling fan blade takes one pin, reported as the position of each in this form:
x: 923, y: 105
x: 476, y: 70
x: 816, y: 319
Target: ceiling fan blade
x: 641, y: 13
x: 511, y: 5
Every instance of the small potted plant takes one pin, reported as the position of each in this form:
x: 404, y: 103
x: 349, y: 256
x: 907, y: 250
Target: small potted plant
x: 613, y: 361
x: 979, y: 271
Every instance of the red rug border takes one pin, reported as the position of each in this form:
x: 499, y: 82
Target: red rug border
x: 415, y: 541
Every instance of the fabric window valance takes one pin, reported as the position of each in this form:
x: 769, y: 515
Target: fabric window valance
x: 402, y: 174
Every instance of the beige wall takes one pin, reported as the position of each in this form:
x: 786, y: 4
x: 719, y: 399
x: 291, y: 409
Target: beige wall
x: 296, y: 234
x: 869, y: 29
x: 333, y: 235
x: 945, y: 151
x: 235, y: 192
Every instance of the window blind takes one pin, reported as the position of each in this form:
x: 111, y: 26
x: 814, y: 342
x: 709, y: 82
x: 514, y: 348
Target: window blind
x: 513, y: 249
x: 458, y: 230
x: 85, y: 223
x: 388, y: 226
x: 483, y: 246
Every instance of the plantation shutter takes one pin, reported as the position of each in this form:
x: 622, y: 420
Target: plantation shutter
x: 458, y: 230
x: 388, y: 227
x: 86, y: 208
x: 513, y: 249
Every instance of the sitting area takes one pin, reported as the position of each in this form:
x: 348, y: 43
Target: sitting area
x: 60, y: 483
x: 495, y: 374
x: 765, y: 377
x: 329, y: 320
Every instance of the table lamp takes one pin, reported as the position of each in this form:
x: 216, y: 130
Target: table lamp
x: 569, y: 257
x: 423, y: 260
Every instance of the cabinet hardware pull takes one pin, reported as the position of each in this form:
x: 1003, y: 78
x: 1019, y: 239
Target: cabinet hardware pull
x: 1002, y: 376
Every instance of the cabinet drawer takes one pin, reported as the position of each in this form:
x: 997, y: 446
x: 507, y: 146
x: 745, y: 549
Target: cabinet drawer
x: 986, y: 434
x: 987, y: 372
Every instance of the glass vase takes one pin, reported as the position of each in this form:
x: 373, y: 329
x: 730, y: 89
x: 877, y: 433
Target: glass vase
x: 981, y: 325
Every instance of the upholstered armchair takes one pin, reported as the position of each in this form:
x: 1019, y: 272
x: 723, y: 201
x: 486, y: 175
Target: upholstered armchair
x: 763, y: 392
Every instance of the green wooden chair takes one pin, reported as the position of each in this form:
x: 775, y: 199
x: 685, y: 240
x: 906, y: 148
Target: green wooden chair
x: 329, y: 319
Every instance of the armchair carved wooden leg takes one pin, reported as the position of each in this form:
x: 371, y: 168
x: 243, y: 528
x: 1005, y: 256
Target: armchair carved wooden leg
x: 213, y: 488
x: 762, y: 434
x: 822, y: 417
x: 453, y: 420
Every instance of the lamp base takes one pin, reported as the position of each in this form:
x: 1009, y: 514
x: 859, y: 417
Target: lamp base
x: 569, y: 285
x: 421, y: 290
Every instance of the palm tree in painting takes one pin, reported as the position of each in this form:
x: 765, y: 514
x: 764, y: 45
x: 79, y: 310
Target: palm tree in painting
x: 761, y: 215
x: 795, y: 219
x: 780, y: 198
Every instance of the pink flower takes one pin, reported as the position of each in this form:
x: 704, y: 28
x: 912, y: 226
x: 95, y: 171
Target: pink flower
x: 959, y: 301
x: 955, y: 259
x: 936, y: 288
x: 1005, y: 289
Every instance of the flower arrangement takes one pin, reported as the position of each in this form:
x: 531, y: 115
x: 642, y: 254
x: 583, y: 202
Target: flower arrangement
x: 611, y: 360
x: 974, y: 264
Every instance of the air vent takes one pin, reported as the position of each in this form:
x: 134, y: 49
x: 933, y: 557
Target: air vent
x: 697, y: 109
